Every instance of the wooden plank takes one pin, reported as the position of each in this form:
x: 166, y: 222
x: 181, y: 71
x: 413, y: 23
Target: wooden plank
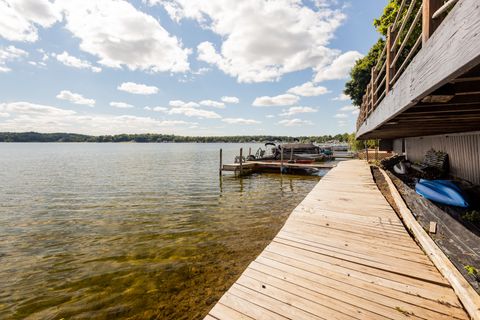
x: 353, y: 260
x: 455, y: 46
x: 343, y: 287
x: 429, y: 25
x: 432, y: 227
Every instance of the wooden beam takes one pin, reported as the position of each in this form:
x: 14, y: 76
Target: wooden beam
x: 429, y: 25
x: 390, y: 70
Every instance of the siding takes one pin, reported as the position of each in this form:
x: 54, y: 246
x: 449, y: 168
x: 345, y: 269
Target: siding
x: 463, y: 152
x: 397, y: 146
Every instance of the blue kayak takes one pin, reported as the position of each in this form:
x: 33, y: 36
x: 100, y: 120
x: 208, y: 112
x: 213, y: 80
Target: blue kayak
x: 442, y: 191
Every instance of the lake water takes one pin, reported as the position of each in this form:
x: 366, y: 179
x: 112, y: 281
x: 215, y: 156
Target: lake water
x: 130, y: 231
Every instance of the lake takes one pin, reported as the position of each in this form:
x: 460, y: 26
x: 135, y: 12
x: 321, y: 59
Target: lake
x: 130, y: 231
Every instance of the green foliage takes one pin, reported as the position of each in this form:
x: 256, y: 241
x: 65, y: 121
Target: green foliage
x: 358, y: 145
x: 472, y: 271
x: 471, y: 216
x: 361, y: 73
x: 149, y: 137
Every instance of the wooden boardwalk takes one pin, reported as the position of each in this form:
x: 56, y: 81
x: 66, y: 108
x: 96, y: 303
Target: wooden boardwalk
x: 342, y: 254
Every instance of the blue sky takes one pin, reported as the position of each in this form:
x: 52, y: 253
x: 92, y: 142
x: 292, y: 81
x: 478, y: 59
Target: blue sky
x: 187, y: 67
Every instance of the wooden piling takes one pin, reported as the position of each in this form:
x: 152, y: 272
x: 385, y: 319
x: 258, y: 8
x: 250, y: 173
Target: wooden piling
x: 281, y: 160
x: 249, y: 151
x: 291, y: 154
x: 241, y: 161
x: 221, y: 163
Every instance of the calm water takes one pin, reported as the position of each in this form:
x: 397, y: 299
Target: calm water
x: 132, y: 231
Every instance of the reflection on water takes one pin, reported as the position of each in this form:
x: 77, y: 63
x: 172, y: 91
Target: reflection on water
x: 137, y: 231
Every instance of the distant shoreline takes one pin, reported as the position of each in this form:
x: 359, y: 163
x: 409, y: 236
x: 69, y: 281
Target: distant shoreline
x: 159, y: 138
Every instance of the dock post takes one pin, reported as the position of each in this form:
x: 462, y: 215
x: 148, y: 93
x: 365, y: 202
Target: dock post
x: 250, y: 151
x: 241, y: 161
x: 291, y: 154
x: 221, y: 164
x: 366, y: 150
x: 281, y: 160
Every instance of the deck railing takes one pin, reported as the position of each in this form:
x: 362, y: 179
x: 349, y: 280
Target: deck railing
x: 403, y: 42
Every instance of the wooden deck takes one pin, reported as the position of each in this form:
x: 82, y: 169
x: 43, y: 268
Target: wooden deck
x: 342, y: 254
x: 258, y: 165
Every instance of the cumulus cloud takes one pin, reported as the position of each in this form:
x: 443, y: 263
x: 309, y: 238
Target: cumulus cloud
x: 137, y: 88
x: 19, y: 19
x: 180, y: 103
x: 339, y: 68
x: 120, y: 105
x: 26, y: 116
x: 75, y: 62
x: 356, y: 112
x: 308, y: 89
x: 212, y: 103
x: 280, y: 100
x: 269, y: 116
x: 341, y: 115
x: 348, y: 108
x: 294, y: 122
x: 231, y: 100
x: 10, y: 53
x: 27, y: 108
x: 240, y: 121
x: 293, y: 36
x: 297, y: 110
x: 342, y: 97
x: 120, y: 35
x: 194, y: 112
x: 75, y: 98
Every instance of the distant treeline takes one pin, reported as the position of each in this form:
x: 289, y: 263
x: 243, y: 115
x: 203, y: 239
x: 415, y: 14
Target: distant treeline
x: 150, y: 137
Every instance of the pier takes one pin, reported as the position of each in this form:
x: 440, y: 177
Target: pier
x: 342, y: 254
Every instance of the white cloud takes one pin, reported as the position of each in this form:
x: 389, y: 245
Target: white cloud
x: 27, y: 108
x: 212, y: 103
x: 120, y: 105
x: 19, y: 18
x: 342, y: 123
x: 280, y: 100
x: 269, y: 116
x: 348, y: 108
x: 180, y: 103
x: 75, y: 98
x: 147, y: 108
x: 341, y: 115
x: 342, y: 97
x: 10, y: 53
x: 26, y: 116
x: 297, y: 110
x: 232, y: 100
x: 75, y: 62
x: 339, y: 68
x: 356, y: 112
x: 240, y: 121
x: 136, y: 88
x: 262, y: 40
x: 120, y: 35
x: 308, y: 89
x: 294, y: 122
x: 194, y: 112
x: 4, y: 114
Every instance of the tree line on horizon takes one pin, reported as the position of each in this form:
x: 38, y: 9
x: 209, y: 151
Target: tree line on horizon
x: 159, y: 138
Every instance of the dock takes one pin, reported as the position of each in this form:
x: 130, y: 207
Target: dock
x: 342, y: 254
x: 259, y: 166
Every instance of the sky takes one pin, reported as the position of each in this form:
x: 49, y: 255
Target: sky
x: 186, y: 67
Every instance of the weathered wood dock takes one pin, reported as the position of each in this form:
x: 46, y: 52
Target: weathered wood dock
x: 342, y: 254
x: 250, y: 166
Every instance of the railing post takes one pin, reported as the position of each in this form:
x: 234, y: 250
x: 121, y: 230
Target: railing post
x: 429, y: 25
x: 389, y: 69
x: 374, y: 87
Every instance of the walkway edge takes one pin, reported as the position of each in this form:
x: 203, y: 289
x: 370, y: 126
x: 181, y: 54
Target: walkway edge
x: 466, y: 294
